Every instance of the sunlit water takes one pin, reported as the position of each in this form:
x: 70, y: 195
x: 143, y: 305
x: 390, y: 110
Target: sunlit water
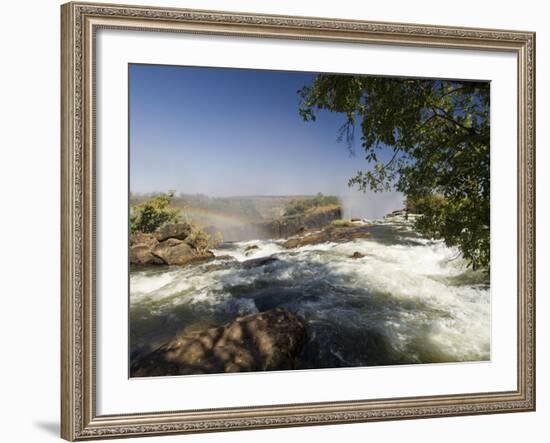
x: 408, y: 300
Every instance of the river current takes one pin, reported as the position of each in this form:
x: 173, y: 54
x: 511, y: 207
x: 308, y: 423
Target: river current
x: 407, y: 300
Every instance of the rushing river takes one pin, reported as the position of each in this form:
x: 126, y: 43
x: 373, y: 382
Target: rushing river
x: 408, y: 300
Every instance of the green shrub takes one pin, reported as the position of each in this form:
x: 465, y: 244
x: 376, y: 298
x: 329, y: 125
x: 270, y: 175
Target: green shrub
x: 199, y: 240
x: 152, y: 214
x: 343, y: 223
x: 300, y: 206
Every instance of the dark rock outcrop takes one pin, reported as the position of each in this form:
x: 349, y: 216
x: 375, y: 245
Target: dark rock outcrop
x: 266, y: 341
x: 226, y: 262
x: 250, y: 250
x: 338, y: 234
x: 256, y: 262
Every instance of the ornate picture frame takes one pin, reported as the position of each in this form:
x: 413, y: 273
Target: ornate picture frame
x: 80, y: 22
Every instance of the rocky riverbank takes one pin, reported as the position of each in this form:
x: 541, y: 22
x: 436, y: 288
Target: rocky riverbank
x: 266, y: 341
x: 332, y: 233
x: 172, y: 244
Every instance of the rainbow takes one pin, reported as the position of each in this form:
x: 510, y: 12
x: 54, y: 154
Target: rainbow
x: 213, y: 217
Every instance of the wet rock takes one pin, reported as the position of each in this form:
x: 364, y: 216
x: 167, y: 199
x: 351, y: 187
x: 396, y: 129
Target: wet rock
x: 179, y: 231
x: 256, y: 262
x: 348, y: 234
x: 338, y: 234
x: 226, y: 258
x: 310, y: 239
x: 250, y: 250
x: 222, y: 262
x: 177, y: 252
x: 356, y: 255
x: 266, y: 341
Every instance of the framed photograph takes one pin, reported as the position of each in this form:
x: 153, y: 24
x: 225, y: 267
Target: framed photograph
x: 277, y: 221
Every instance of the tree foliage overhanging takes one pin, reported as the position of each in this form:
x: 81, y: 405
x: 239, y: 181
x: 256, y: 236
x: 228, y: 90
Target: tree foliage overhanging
x: 438, y: 133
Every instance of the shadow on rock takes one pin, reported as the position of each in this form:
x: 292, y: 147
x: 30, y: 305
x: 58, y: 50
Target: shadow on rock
x: 266, y: 341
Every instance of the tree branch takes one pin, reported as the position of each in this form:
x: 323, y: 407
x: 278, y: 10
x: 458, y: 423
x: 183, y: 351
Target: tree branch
x: 391, y: 160
x: 446, y: 116
x: 453, y: 91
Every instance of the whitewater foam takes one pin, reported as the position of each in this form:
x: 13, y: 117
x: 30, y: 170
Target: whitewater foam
x: 414, y: 298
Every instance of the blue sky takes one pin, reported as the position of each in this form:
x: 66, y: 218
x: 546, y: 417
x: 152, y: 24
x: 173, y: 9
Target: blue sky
x: 225, y: 132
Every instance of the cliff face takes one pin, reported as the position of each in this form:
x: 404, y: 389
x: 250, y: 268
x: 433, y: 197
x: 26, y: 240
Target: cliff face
x: 283, y: 227
x: 314, y: 219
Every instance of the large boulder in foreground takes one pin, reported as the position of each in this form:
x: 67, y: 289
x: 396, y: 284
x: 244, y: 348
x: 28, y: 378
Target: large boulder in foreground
x: 267, y: 341
x: 177, y: 252
x: 337, y: 234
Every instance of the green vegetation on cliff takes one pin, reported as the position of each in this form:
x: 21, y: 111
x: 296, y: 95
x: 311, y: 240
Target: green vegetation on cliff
x: 152, y: 214
x: 157, y: 212
x: 301, y: 205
